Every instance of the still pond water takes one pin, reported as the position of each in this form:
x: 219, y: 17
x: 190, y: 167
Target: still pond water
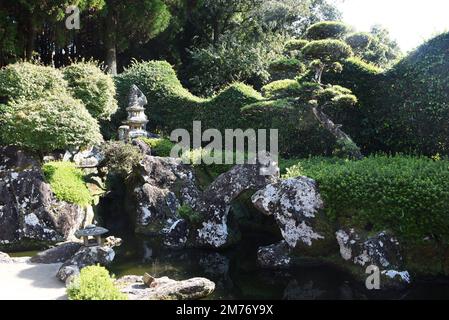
x: 237, y: 275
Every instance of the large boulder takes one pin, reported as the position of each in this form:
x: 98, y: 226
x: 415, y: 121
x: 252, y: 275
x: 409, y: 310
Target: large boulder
x: 165, y: 288
x: 58, y: 254
x: 162, y: 185
x: 30, y: 215
x: 382, y: 250
x: 84, y: 257
x: 297, y: 206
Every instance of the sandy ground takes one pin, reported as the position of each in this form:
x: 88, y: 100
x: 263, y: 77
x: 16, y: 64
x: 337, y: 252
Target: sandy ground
x: 26, y: 281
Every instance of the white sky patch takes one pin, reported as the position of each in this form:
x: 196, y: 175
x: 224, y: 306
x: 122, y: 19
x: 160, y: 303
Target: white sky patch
x: 410, y: 22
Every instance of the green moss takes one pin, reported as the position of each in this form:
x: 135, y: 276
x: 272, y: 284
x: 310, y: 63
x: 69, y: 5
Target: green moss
x: 67, y: 182
x: 186, y: 212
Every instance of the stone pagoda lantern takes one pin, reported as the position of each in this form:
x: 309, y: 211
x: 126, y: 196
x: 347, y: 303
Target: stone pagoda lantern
x: 135, y: 125
x: 91, y: 231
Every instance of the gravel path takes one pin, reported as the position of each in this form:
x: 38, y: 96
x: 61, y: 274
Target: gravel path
x: 22, y: 280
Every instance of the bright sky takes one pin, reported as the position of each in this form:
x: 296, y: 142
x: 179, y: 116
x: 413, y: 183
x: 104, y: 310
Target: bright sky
x: 410, y: 22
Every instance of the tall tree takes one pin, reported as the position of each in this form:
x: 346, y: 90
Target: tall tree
x: 32, y: 16
x: 127, y: 21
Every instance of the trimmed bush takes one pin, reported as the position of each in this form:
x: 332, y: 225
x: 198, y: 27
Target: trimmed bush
x: 359, y: 41
x: 94, y: 283
x: 329, y: 50
x: 120, y: 157
x: 285, y: 68
x: 27, y: 81
x: 92, y: 86
x: 67, y: 182
x: 407, y: 195
x: 327, y: 30
x: 160, y: 147
x: 281, y: 89
x: 170, y: 106
x: 295, y: 45
x: 46, y: 124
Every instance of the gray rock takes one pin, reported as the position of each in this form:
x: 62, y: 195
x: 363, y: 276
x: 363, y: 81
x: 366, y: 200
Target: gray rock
x: 30, y: 215
x: 61, y: 253
x: 165, y: 288
x: 86, y: 256
x: 89, y: 158
x: 381, y: 250
x: 297, y: 206
x: 276, y: 256
x: 5, y: 258
x: 164, y: 184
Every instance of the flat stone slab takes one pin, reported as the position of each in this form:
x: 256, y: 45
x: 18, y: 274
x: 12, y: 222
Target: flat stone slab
x: 22, y: 280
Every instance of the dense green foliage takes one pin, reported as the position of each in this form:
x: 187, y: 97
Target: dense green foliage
x: 67, y: 182
x: 92, y: 86
x: 94, y: 283
x: 171, y: 106
x: 186, y: 212
x: 120, y: 157
x: 54, y: 123
x: 406, y: 195
x: 160, y: 147
x: 281, y: 89
x: 327, y: 30
x: 328, y: 50
x: 285, y: 68
x: 27, y: 81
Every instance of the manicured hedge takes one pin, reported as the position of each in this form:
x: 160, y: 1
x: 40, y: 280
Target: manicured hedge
x: 170, y: 106
x: 407, y: 195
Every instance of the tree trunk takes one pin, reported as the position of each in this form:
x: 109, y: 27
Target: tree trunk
x: 30, y: 38
x: 335, y: 130
x: 111, y: 42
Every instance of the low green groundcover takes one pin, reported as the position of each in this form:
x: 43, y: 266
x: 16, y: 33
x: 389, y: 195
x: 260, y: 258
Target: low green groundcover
x: 407, y: 195
x: 67, y: 182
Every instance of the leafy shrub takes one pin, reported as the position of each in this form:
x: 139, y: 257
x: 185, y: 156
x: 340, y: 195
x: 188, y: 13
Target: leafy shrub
x: 285, y: 68
x: 47, y: 124
x: 407, y: 195
x: 327, y: 50
x: 27, y: 81
x: 120, y: 157
x: 281, y: 89
x: 295, y: 45
x: 327, y: 30
x: 92, y: 86
x: 160, y: 147
x: 171, y: 106
x: 359, y: 41
x: 94, y: 283
x: 67, y: 182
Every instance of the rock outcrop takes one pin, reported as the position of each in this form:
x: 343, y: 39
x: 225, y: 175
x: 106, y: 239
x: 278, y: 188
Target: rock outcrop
x: 86, y: 256
x: 297, y: 208
x: 164, y: 184
x: 58, y: 254
x: 165, y: 288
x: 381, y: 250
x: 30, y: 215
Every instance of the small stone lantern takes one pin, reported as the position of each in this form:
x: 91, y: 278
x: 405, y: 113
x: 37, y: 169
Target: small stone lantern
x: 91, y: 231
x: 135, y: 125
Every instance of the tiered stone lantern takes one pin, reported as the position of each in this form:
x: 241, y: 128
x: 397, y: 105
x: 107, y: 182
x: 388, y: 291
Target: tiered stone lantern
x: 135, y: 125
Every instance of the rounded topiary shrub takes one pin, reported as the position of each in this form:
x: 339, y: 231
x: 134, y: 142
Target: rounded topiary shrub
x: 327, y: 50
x: 281, y: 88
x: 92, y: 86
x: 47, y: 124
x: 295, y: 45
x: 27, y: 81
x: 94, y: 283
x: 327, y: 30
